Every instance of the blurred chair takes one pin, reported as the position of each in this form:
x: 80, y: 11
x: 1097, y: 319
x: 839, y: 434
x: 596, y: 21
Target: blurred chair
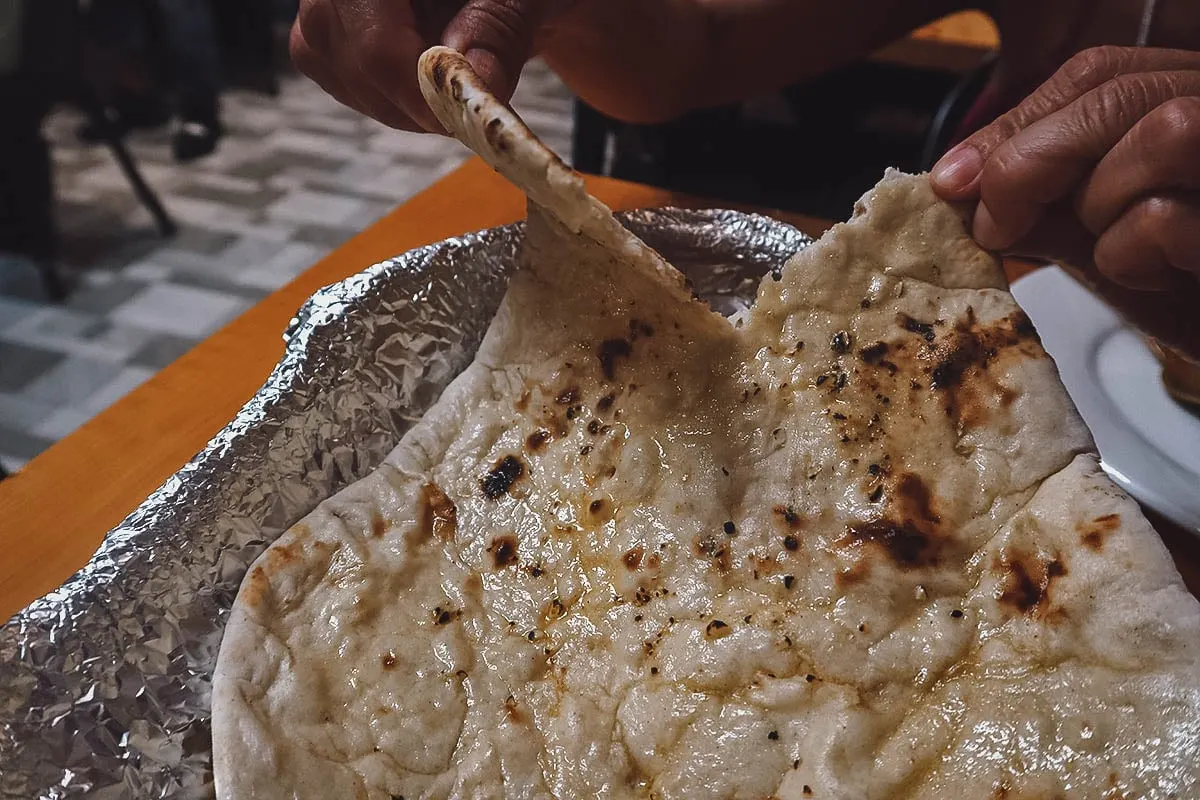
x: 40, y: 67
x: 953, y: 110
x: 246, y: 30
x: 813, y: 148
x: 26, y: 196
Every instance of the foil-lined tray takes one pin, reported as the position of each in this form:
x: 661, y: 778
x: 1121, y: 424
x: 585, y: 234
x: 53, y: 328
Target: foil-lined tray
x: 104, y: 683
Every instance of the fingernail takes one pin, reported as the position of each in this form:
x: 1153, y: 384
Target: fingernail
x: 956, y: 170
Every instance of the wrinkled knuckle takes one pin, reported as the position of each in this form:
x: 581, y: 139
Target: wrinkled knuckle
x: 1088, y: 67
x: 998, y: 170
x: 376, y: 53
x: 503, y: 23
x: 988, y: 139
x: 1115, y: 101
x: 1160, y: 216
x: 1177, y: 125
x: 1008, y: 125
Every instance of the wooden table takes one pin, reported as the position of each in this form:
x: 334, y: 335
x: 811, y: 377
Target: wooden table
x: 965, y: 28
x: 54, y: 512
x: 957, y: 43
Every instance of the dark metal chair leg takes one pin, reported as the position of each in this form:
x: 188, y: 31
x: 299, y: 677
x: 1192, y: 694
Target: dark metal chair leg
x: 145, y: 195
x: 952, y: 110
x: 27, y: 192
x: 116, y: 143
x: 52, y: 281
x: 589, y: 139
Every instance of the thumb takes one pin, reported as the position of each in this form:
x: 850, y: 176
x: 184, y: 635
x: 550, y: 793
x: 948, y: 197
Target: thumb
x: 497, y: 38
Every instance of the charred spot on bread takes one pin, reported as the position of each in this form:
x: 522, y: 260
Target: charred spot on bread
x: 1027, y: 580
x: 439, y: 516
x: 908, y: 531
x: 633, y: 558
x: 714, y: 549
x: 537, y: 440
x: 717, y: 629
x: 639, y: 328
x: 600, y: 509
x: 789, y: 516
x: 504, y: 551
x: 610, y: 351
x: 439, y: 70
x: 502, y: 476
x: 1094, y: 533
x: 922, y: 329
x: 493, y: 132
x: 554, y: 610
x: 962, y: 357
x: 873, y: 353
x: 914, y: 499
x: 905, y: 543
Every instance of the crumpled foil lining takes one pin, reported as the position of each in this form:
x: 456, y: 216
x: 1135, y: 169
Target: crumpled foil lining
x: 104, y: 683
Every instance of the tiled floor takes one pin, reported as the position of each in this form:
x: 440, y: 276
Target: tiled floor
x: 296, y: 176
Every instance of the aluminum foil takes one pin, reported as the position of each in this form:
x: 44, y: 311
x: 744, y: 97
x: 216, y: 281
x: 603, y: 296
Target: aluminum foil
x: 104, y: 684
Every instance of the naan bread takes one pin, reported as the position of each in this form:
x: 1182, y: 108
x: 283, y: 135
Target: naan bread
x: 856, y: 546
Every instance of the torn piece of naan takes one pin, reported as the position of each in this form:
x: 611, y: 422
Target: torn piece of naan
x: 857, y: 546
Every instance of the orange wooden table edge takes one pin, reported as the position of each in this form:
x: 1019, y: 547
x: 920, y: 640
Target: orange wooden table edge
x: 966, y: 28
x: 55, y: 512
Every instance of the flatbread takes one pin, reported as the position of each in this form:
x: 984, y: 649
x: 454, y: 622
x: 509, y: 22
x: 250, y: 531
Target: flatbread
x: 856, y: 545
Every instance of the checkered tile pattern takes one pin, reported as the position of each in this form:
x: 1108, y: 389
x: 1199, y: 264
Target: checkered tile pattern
x: 296, y: 176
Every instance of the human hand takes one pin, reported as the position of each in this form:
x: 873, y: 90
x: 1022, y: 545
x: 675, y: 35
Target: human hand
x: 364, y: 52
x: 1099, y: 166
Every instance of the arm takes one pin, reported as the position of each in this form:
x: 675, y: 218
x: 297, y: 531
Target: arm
x: 638, y: 60
x: 651, y: 61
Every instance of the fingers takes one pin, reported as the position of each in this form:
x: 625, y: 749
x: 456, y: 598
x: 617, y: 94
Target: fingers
x: 1159, y: 154
x: 323, y: 72
x: 382, y: 44
x: 956, y: 176
x: 497, y: 37
x: 364, y: 53
x: 1147, y: 246
x: 305, y: 57
x: 1048, y: 159
x: 1059, y: 237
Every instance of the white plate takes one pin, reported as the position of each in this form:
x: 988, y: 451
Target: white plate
x: 1148, y: 443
